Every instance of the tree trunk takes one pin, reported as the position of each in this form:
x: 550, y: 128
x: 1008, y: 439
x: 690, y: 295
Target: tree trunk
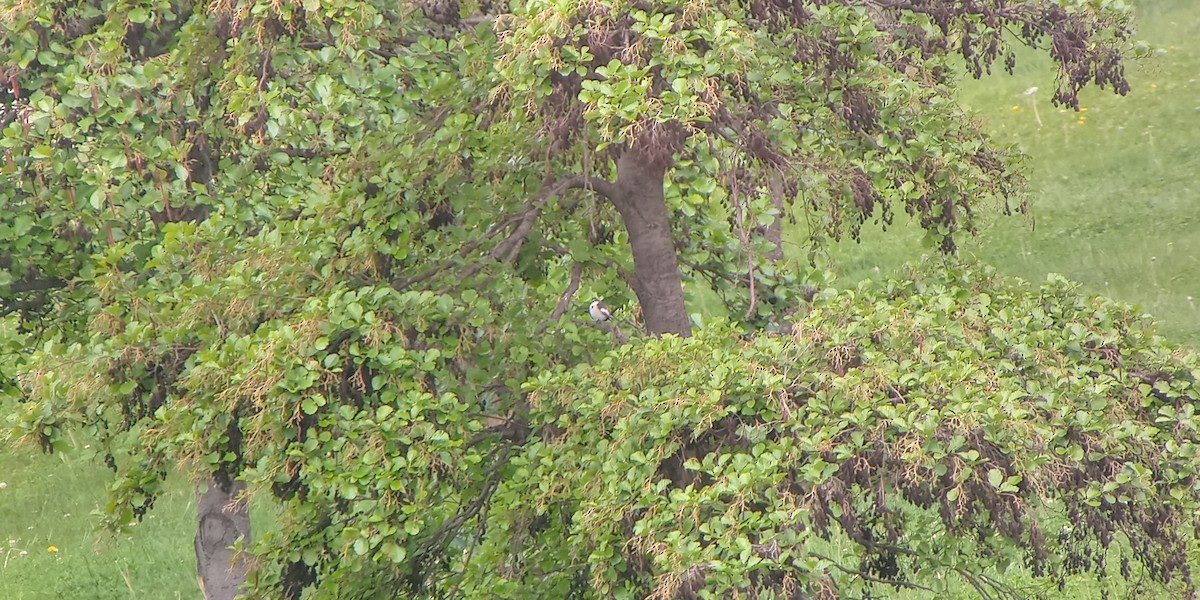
x: 223, y: 518
x: 657, y: 282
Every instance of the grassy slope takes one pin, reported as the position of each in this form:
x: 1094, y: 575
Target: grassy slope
x: 47, y: 502
x: 1116, y: 205
x: 1116, y: 199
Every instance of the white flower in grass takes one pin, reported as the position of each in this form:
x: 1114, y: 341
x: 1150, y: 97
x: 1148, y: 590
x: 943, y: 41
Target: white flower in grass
x: 1031, y: 91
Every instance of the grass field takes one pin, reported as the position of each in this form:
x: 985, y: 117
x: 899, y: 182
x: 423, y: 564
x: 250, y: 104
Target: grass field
x: 1115, y: 190
x: 1116, y: 200
x: 50, y: 547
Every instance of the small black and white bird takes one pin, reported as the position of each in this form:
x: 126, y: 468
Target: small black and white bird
x: 599, y: 310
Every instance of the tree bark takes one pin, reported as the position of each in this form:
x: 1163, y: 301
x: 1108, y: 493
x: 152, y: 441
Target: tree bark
x: 638, y: 196
x: 223, y: 518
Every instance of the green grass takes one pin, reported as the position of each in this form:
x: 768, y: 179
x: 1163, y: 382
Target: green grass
x: 50, y: 549
x: 1116, y: 199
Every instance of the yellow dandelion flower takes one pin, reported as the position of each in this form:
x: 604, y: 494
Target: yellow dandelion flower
x: 1016, y: 108
x: 52, y: 549
x: 1081, y: 121
x: 1083, y: 110
x: 1154, y: 86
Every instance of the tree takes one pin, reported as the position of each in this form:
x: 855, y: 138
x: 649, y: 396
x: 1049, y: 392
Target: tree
x: 320, y: 249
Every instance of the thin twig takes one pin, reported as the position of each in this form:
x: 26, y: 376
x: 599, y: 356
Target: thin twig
x: 871, y: 578
x: 979, y: 581
x: 744, y: 234
x: 401, y: 284
x: 564, y: 303
x: 446, y: 531
x: 507, y: 249
x: 607, y: 326
x: 978, y: 585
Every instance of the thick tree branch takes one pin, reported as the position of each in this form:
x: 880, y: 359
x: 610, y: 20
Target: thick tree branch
x: 601, y: 186
x: 7, y: 308
x: 506, y: 251
x: 36, y: 285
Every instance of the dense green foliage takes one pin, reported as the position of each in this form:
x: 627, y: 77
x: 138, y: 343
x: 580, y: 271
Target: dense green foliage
x: 337, y: 250
x: 935, y: 422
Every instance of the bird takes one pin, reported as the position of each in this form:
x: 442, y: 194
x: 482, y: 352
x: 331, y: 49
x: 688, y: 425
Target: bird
x: 599, y: 310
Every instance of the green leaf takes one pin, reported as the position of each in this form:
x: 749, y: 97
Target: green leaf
x: 310, y: 405
x: 22, y: 224
x: 395, y: 552
x: 995, y: 477
x: 97, y: 199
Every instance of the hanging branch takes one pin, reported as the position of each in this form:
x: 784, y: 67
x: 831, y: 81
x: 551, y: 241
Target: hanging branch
x: 564, y: 303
